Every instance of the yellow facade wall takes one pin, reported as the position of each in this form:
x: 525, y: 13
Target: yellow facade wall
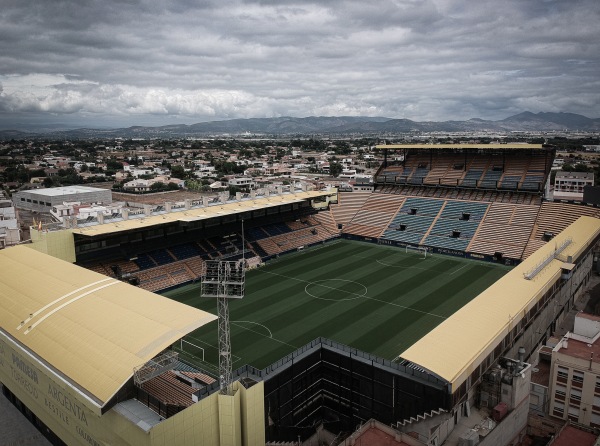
x: 216, y: 420
x: 230, y: 423
x: 56, y: 404
x: 253, y: 414
x: 59, y: 244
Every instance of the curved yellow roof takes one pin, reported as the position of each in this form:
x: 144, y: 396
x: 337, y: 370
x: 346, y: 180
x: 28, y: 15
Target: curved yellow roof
x: 461, y: 342
x: 90, y: 328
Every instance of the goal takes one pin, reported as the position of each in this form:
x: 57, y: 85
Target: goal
x: 191, y: 349
x: 417, y: 249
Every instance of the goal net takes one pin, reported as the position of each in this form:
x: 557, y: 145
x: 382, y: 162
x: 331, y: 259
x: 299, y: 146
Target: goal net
x: 417, y: 250
x: 191, y: 349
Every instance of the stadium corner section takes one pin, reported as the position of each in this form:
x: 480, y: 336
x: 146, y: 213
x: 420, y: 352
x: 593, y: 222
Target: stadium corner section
x: 70, y: 339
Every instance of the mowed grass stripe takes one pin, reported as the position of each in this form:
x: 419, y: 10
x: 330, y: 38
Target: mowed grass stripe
x: 403, y: 302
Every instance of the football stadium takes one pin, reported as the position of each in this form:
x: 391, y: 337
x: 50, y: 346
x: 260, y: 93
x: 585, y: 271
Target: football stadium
x: 395, y: 301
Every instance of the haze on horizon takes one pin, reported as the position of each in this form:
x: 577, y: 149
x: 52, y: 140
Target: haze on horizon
x: 156, y: 62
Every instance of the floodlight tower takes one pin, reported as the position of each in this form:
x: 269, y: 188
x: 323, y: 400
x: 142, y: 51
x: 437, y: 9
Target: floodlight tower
x: 224, y: 280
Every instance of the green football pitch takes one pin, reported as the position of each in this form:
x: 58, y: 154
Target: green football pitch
x: 375, y: 298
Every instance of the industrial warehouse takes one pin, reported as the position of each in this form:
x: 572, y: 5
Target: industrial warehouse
x: 91, y: 353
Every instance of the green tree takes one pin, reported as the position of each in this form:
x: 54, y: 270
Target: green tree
x: 335, y: 169
x: 158, y: 186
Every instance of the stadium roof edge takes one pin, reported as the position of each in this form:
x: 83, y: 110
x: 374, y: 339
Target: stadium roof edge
x: 89, y: 329
x: 199, y: 213
x: 461, y: 342
x: 509, y: 146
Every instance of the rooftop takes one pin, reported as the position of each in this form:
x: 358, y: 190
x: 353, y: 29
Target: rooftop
x: 483, y: 322
x: 570, y: 436
x: 580, y: 350
x: 66, y: 190
x: 89, y: 330
x: 508, y: 146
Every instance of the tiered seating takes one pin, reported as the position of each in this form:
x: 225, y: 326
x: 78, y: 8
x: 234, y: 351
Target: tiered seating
x: 553, y: 218
x: 505, y: 229
x: 325, y: 220
x: 201, y: 378
x: 456, y: 225
x: 99, y: 268
x: 144, y: 261
x: 533, y: 181
x: 472, y: 177
x: 413, y: 221
x: 375, y: 215
x: 490, y: 179
x: 460, y: 209
x: 169, y: 390
x: 348, y: 204
x: 510, y: 181
x: 453, y: 176
x: 418, y: 175
x: 161, y: 256
x: 185, y: 251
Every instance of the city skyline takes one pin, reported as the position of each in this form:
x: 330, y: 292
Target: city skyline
x: 115, y: 64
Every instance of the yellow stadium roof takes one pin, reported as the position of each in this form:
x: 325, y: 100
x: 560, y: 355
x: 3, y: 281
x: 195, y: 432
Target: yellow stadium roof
x: 508, y: 146
x: 200, y: 213
x: 90, y: 328
x: 458, y: 344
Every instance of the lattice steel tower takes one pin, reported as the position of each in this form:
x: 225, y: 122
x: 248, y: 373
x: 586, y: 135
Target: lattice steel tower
x: 224, y: 280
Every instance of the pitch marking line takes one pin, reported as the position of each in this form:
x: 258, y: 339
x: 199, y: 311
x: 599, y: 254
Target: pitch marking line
x: 464, y: 266
x: 318, y: 283
x: 212, y: 346
x: 365, y: 296
x: 261, y: 334
x: 256, y: 323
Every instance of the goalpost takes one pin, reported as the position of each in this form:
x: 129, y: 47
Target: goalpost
x: 417, y: 249
x: 195, y: 351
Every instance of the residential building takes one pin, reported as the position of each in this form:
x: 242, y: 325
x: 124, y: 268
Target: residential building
x: 575, y: 373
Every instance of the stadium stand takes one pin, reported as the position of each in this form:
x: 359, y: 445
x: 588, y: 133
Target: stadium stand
x: 505, y: 229
x: 552, y: 219
x: 348, y: 204
x: 374, y: 215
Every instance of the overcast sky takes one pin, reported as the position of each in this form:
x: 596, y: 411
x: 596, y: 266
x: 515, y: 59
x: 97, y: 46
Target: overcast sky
x: 150, y: 62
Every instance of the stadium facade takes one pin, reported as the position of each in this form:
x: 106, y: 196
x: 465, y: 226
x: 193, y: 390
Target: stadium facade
x: 71, y: 337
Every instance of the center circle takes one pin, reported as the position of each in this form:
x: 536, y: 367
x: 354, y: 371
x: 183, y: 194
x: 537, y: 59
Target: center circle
x: 336, y: 289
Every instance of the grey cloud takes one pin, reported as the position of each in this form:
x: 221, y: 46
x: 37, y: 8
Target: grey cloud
x: 193, y: 60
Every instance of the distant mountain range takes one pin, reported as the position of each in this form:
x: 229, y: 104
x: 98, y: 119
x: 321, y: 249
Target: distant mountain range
x: 334, y: 126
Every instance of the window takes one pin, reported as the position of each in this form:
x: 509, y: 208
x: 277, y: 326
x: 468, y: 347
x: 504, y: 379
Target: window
x: 597, y: 401
x: 577, y: 378
x: 576, y: 394
x: 573, y: 413
x: 560, y: 392
x: 595, y: 419
x: 562, y: 375
x: 559, y: 409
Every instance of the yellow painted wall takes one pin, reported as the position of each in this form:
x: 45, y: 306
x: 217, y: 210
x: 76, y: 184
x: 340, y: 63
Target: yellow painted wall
x: 216, y: 420
x: 53, y: 402
x: 198, y: 425
x: 253, y: 414
x: 59, y: 244
x: 230, y: 423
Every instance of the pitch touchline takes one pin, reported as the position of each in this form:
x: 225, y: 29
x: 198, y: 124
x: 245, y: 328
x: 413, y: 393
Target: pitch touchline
x: 360, y: 295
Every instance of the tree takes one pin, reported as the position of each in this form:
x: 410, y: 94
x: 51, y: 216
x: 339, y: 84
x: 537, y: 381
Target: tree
x: 178, y: 172
x: 335, y: 169
x: 172, y: 186
x: 158, y: 186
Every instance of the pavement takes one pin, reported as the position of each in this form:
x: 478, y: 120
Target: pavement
x: 15, y: 429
